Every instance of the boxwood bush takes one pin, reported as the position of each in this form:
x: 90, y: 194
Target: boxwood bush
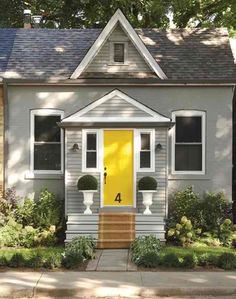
x: 147, y: 183
x: 87, y: 182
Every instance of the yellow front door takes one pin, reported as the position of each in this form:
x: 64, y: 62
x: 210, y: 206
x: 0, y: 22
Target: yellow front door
x: 118, y: 168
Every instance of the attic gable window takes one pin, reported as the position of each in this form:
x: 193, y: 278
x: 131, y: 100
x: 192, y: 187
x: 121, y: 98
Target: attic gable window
x: 118, y: 53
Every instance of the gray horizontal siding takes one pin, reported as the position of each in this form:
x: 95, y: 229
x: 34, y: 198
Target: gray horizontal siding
x: 116, y: 107
x: 159, y: 199
x: 101, y: 63
x: 73, y: 172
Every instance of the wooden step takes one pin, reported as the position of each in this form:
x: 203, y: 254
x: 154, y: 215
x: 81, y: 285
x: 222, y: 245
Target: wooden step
x: 113, y: 244
x: 116, y: 230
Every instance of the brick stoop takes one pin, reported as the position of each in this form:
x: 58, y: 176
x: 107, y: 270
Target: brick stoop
x: 116, y: 230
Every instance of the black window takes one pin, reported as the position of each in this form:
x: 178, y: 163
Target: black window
x: 145, y: 151
x: 119, y: 52
x: 188, y: 143
x: 91, y: 150
x: 47, y: 142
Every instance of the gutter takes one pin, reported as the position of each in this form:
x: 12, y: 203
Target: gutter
x: 5, y: 134
x: 120, y: 82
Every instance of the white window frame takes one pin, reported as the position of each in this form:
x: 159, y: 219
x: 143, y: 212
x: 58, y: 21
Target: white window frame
x: 137, y: 149
x: 112, y: 62
x: 44, y: 112
x: 84, y: 150
x: 189, y: 113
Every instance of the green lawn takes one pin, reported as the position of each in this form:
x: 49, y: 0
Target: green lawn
x: 45, y: 251
x: 181, y: 251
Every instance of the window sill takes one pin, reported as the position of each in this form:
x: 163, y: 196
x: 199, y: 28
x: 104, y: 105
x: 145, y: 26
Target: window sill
x: 43, y: 176
x: 176, y: 177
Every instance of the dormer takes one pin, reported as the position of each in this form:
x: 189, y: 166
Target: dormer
x: 118, y: 52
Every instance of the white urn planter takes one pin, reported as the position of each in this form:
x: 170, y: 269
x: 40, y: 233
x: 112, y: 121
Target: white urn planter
x: 88, y: 200
x: 147, y: 200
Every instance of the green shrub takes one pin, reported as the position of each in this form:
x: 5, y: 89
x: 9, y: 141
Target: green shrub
x: 210, y: 239
x: 10, y: 233
x: 208, y: 259
x: 77, y: 251
x: 183, y: 232
x: 215, y: 210
x: 46, y: 237
x: 48, y: 210
x: 150, y: 259
x: 227, y: 261
x: 226, y: 232
x: 185, y: 203
x: 25, y: 212
x: 3, y: 261
x: 171, y: 260
x: 87, y: 182
x: 17, y: 260
x: 72, y: 258
x: 190, y: 261
x: 27, y: 237
x: 53, y: 261
x: 147, y: 183
x: 37, y: 260
x: 143, y: 245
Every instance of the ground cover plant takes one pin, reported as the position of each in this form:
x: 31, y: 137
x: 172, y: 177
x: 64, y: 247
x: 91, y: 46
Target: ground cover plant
x: 180, y: 257
x: 73, y: 255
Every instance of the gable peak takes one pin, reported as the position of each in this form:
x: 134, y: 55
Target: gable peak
x: 118, y: 18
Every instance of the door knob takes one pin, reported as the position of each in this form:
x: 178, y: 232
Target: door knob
x: 105, y: 175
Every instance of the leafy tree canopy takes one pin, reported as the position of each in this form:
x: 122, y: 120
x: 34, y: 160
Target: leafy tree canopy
x: 141, y: 13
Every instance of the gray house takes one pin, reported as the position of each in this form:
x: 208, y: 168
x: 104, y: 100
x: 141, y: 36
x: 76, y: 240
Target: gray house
x: 119, y: 104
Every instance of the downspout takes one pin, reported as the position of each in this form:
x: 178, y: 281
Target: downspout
x: 5, y: 135
x: 234, y: 157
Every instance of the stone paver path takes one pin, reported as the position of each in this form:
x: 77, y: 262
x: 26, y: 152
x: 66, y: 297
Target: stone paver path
x: 111, y: 260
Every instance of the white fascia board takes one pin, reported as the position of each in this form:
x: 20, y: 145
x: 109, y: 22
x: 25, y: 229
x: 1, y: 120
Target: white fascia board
x: 153, y: 115
x: 118, y: 17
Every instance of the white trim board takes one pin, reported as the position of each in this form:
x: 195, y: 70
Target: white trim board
x: 189, y: 113
x: 152, y: 116
x: 118, y: 17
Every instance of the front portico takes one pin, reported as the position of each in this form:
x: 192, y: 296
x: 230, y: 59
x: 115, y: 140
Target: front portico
x: 118, y: 140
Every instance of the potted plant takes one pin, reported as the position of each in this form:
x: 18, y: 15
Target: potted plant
x: 88, y: 185
x: 147, y: 186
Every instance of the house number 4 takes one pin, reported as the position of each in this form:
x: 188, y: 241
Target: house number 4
x: 118, y: 197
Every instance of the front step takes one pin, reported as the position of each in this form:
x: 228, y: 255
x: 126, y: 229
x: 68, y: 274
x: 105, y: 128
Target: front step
x: 116, y: 230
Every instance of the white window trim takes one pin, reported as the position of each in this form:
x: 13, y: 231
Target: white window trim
x: 112, y: 62
x: 98, y: 150
x: 44, y: 112
x: 189, y: 113
x: 137, y: 148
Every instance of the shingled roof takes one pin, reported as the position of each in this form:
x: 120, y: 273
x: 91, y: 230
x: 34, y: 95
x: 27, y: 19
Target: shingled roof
x: 186, y: 54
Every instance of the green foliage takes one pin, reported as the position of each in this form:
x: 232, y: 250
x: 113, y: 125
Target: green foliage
x: 226, y: 232
x: 142, y: 246
x: 190, y: 261
x: 214, y: 210
x: 147, y: 183
x: 227, y: 261
x: 171, y: 260
x: 77, y: 251
x: 209, y: 239
x: 184, y: 203
x: 48, y: 211
x: 208, y: 259
x: 49, y: 258
x: 16, y: 260
x: 25, y: 212
x: 150, y: 259
x: 87, y: 182
x: 183, y: 232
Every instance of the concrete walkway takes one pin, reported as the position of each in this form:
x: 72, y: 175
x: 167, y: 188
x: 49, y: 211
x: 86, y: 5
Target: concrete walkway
x: 111, y: 260
x: 114, y: 284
